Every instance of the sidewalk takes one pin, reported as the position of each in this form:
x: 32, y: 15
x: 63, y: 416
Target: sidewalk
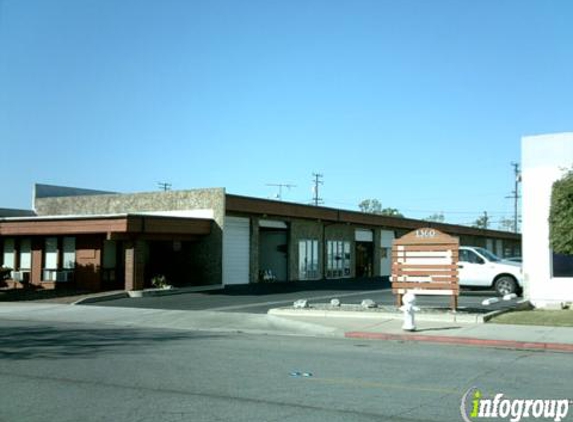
x: 371, y: 328
x: 456, y: 333
x: 228, y: 322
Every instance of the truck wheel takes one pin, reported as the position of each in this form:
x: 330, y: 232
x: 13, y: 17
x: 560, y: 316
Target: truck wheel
x: 505, y: 285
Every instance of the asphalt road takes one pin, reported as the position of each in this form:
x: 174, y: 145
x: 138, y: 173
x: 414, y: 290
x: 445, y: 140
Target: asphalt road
x: 65, y: 372
x: 257, y: 302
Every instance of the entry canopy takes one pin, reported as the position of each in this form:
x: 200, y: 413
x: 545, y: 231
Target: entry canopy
x: 116, y: 226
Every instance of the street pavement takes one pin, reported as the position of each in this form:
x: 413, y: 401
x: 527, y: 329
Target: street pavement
x: 376, y: 327
x: 250, y: 300
x: 88, y: 372
x: 231, y: 361
x: 267, y: 309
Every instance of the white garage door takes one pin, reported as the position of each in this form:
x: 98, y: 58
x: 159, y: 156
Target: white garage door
x: 236, y: 250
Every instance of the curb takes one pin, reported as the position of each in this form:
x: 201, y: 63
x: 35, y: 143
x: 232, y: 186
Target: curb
x: 461, y: 318
x: 173, y: 291
x: 464, y: 341
x: 100, y: 298
x: 493, y: 314
x: 145, y: 293
x: 521, y: 305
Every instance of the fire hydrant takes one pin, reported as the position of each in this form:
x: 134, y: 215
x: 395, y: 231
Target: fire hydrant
x: 409, y: 309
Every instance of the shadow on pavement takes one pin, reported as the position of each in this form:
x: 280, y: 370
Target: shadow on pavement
x: 259, y: 289
x: 44, y: 342
x: 422, y: 330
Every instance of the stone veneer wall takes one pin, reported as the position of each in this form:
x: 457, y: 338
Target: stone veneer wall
x: 209, y: 250
x: 254, y: 255
x: 301, y: 229
x: 323, y: 232
x: 377, y: 252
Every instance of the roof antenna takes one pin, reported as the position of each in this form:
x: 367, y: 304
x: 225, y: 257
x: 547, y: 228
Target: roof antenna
x: 164, y: 186
x: 279, y: 196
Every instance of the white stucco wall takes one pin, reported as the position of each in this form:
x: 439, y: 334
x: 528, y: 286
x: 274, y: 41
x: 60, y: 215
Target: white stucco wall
x: 544, y: 160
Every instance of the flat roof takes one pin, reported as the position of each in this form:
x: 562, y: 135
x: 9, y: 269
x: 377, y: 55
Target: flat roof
x: 270, y: 208
x: 167, y: 214
x: 127, y: 224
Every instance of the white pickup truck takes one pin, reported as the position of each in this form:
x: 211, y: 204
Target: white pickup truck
x: 478, y: 267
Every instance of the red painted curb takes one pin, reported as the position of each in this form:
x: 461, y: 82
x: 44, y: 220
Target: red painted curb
x: 468, y: 341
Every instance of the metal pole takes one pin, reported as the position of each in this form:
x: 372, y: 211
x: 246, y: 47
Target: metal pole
x: 317, y: 182
x: 516, y: 196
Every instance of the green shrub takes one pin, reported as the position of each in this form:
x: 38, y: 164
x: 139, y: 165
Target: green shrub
x: 5, y: 272
x: 561, y: 215
x: 159, y: 281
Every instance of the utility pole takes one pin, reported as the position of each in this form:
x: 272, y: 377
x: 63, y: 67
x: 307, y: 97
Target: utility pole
x: 281, y: 186
x: 515, y: 196
x: 316, y: 199
x: 485, y: 220
x: 482, y: 222
x: 164, y: 186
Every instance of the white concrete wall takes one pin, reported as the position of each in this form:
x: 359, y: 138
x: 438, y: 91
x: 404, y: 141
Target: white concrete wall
x: 544, y: 160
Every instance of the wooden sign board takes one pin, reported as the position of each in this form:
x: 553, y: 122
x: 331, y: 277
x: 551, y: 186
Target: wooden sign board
x: 425, y: 261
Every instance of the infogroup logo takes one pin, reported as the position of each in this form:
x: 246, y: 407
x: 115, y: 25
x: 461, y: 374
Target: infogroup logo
x: 475, y: 407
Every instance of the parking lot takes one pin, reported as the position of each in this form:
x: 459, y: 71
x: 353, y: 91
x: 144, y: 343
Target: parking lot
x: 260, y: 298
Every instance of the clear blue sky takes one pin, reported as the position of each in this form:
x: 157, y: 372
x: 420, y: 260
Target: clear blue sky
x: 421, y: 104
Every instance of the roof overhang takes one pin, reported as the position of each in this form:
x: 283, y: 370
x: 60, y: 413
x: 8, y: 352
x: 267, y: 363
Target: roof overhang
x: 269, y: 209
x: 115, y: 226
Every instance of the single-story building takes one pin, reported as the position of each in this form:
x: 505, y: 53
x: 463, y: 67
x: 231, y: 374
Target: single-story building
x: 203, y: 237
x: 99, y: 252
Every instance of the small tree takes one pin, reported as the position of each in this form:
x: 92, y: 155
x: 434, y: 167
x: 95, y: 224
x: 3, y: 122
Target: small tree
x: 436, y: 218
x: 373, y: 206
x: 507, y: 224
x: 482, y: 222
x: 370, y: 206
x: 391, y: 212
x: 561, y: 215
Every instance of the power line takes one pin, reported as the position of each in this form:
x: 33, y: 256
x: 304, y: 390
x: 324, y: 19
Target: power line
x: 281, y: 186
x: 515, y: 195
x: 164, y: 186
x: 476, y: 213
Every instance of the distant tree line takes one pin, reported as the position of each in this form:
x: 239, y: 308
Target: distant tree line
x: 374, y: 206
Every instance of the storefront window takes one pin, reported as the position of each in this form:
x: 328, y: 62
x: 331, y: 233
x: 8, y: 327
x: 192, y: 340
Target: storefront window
x: 25, y: 254
x: 337, y: 259
x: 9, y: 254
x: 562, y: 265
x: 69, y: 254
x: 308, y: 259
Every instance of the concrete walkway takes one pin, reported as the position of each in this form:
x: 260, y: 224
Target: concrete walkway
x: 375, y: 328
x: 443, y: 332
x: 159, y: 318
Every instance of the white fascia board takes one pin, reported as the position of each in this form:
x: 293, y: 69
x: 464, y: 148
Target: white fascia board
x: 272, y: 224
x: 201, y: 213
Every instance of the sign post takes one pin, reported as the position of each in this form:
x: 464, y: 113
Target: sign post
x: 425, y: 262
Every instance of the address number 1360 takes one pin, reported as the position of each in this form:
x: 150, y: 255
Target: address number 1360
x: 425, y: 233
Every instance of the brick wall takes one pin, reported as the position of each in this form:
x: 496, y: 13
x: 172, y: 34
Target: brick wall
x: 88, y: 262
